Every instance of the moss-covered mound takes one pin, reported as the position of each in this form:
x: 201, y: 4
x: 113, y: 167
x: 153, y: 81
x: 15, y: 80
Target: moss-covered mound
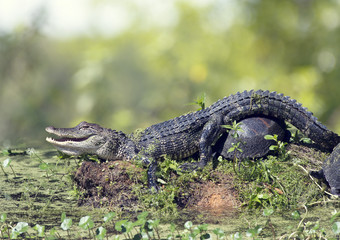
x: 221, y: 187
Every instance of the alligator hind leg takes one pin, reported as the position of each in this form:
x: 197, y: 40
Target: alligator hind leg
x: 210, y: 133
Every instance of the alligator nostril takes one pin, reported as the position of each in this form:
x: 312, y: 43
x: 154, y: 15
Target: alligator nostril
x: 48, y: 129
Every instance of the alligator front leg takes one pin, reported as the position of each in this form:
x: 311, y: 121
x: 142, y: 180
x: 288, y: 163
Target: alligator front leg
x: 152, y: 176
x: 210, y: 133
x: 152, y: 164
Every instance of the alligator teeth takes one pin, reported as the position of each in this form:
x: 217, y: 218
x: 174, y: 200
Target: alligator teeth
x: 52, y: 140
x: 55, y: 141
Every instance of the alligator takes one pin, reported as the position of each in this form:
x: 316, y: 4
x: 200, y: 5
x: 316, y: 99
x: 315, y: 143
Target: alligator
x: 183, y: 136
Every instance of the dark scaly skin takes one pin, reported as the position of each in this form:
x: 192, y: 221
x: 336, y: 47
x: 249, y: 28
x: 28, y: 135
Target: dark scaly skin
x: 194, y: 132
x: 331, y: 169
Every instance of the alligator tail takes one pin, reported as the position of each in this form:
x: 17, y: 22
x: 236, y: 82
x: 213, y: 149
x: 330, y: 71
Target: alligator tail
x: 272, y: 104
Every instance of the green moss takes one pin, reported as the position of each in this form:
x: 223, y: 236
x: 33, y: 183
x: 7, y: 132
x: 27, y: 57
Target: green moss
x: 38, y: 195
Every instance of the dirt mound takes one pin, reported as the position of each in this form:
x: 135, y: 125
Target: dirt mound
x: 217, y: 198
x: 108, y: 183
x: 112, y: 183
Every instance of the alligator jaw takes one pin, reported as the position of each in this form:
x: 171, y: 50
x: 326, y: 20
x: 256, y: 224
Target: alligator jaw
x: 68, y: 147
x: 71, y: 142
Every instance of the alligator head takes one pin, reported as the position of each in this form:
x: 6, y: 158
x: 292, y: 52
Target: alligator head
x: 88, y: 138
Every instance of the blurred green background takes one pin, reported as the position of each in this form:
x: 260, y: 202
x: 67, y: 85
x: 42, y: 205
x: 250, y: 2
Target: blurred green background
x: 150, y: 70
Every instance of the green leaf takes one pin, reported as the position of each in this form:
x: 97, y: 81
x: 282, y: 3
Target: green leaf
x: 84, y: 220
x: 273, y: 147
x: 264, y: 196
x: 267, y: 212
x: 254, y: 232
x: 219, y: 232
x: 195, y: 231
x: 236, y: 236
x: 231, y: 149
x: 173, y: 166
x: 7, y: 162
x: 66, y: 224
x: 203, y: 227
x: 269, y: 137
x: 43, y: 166
x: 20, y: 228
x: 63, y: 216
x: 14, y: 234
x: 40, y: 229
x: 141, y: 219
x: 109, y: 216
x: 3, y: 217
x: 172, y: 228
x: 142, y: 215
x: 53, y: 231
x: 119, y: 226
x: 100, y: 233
x: 128, y: 226
x: 151, y: 224
x: 335, y: 215
x: 161, y: 181
x: 306, y: 140
x: 336, y: 228
x: 191, y: 236
x: 86, y: 223
x: 5, y: 152
x: 188, y: 225
x: 200, y: 101
x: 155, y: 223
x: 296, y: 215
x: 227, y: 126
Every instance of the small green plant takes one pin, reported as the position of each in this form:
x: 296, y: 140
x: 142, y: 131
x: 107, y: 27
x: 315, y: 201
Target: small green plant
x: 86, y: 223
x: 312, y: 229
x: 296, y: 137
x: 7, y: 163
x: 264, y: 188
x: 40, y: 230
x: 18, y: 229
x: 43, y: 165
x: 254, y: 232
x: 255, y: 100
x: 167, y: 167
x: 66, y: 223
x: 145, y: 228
x: 200, y: 101
x: 161, y: 204
x: 5, y: 227
x: 219, y: 233
x: 196, y: 232
x: 234, y: 130
x: 280, y: 146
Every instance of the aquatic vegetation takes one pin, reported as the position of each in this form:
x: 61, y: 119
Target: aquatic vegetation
x: 44, y: 190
